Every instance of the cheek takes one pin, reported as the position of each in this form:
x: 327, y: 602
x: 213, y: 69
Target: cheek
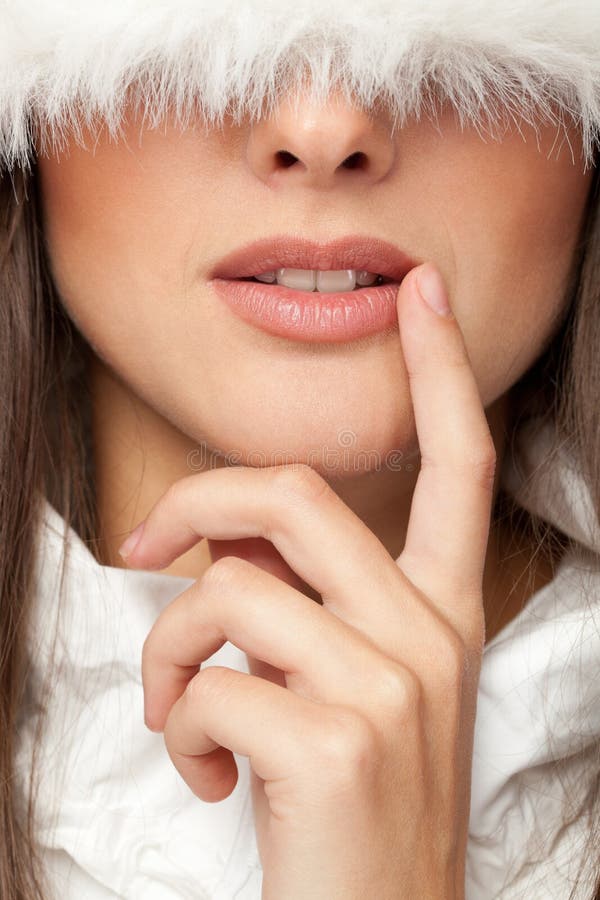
x: 119, y: 222
x: 514, y: 241
x: 127, y: 235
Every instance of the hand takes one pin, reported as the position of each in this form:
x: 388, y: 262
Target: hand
x: 359, y: 728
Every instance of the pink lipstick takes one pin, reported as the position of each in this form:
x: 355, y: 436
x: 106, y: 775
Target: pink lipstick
x: 375, y: 266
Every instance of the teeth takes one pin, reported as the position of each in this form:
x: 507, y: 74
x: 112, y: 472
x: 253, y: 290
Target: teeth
x: 365, y: 278
x: 300, y: 279
x: 267, y: 277
x: 332, y: 281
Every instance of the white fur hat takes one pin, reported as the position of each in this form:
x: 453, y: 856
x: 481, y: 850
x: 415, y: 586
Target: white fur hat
x: 64, y: 61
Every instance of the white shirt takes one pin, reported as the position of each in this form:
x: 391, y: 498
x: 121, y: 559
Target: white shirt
x: 126, y: 824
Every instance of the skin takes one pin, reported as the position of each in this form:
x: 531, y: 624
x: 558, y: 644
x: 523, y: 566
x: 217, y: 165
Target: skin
x: 368, y: 781
x: 139, y: 223
x: 409, y: 580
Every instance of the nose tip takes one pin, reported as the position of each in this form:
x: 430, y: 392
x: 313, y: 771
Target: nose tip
x: 320, y: 146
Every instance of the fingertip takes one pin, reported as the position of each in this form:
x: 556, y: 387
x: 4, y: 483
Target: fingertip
x: 425, y: 285
x: 151, y: 723
x: 152, y: 728
x: 132, y: 543
x: 213, y: 776
x: 432, y: 289
x: 408, y: 288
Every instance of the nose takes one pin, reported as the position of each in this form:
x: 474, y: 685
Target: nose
x: 320, y: 146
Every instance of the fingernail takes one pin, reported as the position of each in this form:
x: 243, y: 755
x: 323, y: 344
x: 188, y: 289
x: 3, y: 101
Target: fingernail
x: 129, y: 545
x: 433, y: 291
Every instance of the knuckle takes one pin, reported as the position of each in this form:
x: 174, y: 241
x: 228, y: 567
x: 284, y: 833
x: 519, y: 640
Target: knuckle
x: 399, y: 691
x: 207, y: 685
x: 477, y: 462
x: 153, y: 643
x: 177, y: 493
x: 299, y: 483
x: 194, y: 689
x: 347, y: 744
x: 223, y: 572
x: 483, y: 461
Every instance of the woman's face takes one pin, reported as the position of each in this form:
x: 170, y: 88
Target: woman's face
x: 134, y: 228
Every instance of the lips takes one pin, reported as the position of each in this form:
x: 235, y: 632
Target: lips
x: 313, y: 316
x: 287, y: 251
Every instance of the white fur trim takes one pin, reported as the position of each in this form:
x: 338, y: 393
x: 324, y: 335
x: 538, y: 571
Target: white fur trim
x: 64, y: 58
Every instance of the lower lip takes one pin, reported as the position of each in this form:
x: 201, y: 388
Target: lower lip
x: 312, y: 315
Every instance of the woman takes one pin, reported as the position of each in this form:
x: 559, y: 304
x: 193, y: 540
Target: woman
x: 206, y: 384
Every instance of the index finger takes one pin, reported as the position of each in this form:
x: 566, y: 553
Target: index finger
x: 448, y: 529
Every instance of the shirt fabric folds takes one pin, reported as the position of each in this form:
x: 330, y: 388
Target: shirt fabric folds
x: 115, y: 819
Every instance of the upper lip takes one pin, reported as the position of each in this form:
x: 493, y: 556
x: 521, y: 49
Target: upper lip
x: 347, y: 252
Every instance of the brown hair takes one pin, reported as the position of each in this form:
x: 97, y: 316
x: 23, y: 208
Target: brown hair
x: 45, y: 452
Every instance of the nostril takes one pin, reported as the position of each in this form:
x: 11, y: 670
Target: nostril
x: 355, y: 161
x: 285, y: 158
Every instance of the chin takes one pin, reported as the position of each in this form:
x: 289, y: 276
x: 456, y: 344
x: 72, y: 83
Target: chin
x: 343, y: 452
